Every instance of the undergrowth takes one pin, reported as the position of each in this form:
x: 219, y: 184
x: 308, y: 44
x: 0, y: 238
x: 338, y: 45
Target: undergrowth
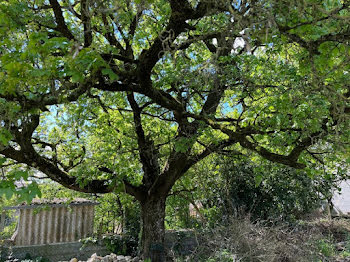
x: 319, y: 240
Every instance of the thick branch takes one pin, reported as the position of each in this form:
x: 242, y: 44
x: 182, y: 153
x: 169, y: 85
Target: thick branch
x: 85, y: 18
x: 147, y: 150
x: 110, y: 36
x: 32, y: 159
x: 241, y: 138
x: 181, y: 11
x: 61, y: 24
x: 130, y: 189
x: 27, y: 155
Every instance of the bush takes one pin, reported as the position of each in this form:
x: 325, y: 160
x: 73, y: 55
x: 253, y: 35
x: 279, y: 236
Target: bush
x: 121, y: 245
x: 267, y: 192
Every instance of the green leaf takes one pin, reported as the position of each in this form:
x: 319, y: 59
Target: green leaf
x: 7, y: 192
x: 18, y: 174
x: 77, y: 77
x: 5, y: 136
x: 112, y: 76
x: 258, y: 179
x: 120, y: 188
x: 2, y: 160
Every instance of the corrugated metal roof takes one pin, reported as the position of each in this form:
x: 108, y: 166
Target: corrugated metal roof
x: 56, y: 202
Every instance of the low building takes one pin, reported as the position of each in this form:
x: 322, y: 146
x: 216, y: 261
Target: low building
x: 54, y: 221
x: 52, y: 229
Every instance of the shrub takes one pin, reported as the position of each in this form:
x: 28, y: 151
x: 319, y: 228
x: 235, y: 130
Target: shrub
x: 121, y: 245
x: 267, y: 192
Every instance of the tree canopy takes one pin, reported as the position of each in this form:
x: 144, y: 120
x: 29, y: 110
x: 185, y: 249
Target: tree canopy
x: 127, y: 96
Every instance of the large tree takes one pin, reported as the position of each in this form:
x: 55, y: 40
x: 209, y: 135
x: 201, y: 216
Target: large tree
x: 126, y: 96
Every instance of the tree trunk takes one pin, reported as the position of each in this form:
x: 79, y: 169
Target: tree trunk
x: 153, y: 214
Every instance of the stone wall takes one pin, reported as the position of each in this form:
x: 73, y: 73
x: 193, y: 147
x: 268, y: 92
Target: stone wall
x: 180, y: 242
x: 57, y: 251
x: 177, y: 243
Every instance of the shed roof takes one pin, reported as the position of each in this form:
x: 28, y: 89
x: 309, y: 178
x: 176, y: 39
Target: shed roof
x: 56, y: 202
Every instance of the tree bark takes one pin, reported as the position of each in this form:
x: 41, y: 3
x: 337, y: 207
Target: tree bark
x: 153, y: 230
